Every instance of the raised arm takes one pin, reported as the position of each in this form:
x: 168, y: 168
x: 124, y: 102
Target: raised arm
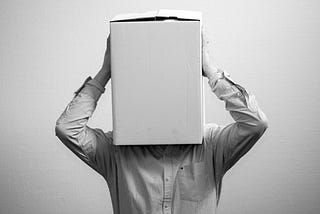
x: 231, y: 142
x: 93, y: 146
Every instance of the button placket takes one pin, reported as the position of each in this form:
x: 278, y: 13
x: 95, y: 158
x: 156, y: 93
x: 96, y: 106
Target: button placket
x: 168, y: 186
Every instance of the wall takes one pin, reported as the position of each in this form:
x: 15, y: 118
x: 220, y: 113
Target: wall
x: 49, y: 47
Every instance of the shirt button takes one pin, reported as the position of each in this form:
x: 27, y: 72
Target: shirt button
x: 167, y: 179
x: 165, y: 206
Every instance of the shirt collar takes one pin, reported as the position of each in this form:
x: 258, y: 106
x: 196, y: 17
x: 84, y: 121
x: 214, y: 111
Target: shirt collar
x: 171, y: 150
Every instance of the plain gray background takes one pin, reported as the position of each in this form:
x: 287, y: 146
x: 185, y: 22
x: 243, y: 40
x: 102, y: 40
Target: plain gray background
x: 49, y: 47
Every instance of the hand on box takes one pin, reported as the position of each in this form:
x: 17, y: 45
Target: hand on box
x: 207, y: 67
x: 104, y: 75
x: 106, y: 62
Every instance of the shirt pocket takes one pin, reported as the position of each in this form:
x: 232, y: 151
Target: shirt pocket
x: 194, y: 181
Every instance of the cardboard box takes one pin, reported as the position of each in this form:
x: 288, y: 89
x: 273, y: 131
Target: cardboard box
x: 156, y: 76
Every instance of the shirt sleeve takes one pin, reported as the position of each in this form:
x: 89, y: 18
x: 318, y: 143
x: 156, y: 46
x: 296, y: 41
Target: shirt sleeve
x: 231, y: 142
x: 93, y: 146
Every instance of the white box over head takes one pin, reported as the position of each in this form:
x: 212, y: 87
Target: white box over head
x: 156, y: 74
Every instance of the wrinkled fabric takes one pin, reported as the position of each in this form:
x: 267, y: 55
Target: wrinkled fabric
x: 177, y: 179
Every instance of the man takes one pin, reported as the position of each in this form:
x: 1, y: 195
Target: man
x: 177, y: 179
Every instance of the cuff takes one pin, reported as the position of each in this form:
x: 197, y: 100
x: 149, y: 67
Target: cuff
x: 91, y: 87
x: 228, y: 86
x: 96, y: 84
x: 219, y: 74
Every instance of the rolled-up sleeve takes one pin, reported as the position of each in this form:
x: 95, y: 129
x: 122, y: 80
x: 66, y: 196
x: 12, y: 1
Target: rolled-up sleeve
x: 93, y: 146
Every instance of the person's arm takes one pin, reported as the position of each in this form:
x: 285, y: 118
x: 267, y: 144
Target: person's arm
x: 93, y: 146
x: 231, y: 142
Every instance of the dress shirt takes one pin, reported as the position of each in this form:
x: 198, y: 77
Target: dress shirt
x: 176, y: 179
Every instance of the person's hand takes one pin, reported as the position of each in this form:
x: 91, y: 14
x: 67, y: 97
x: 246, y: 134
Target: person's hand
x: 104, y: 74
x: 207, y: 67
x: 107, y: 58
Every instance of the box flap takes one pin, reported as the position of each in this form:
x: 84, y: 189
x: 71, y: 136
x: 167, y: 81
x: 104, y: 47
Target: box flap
x: 180, y: 14
x: 134, y: 16
x: 159, y: 15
